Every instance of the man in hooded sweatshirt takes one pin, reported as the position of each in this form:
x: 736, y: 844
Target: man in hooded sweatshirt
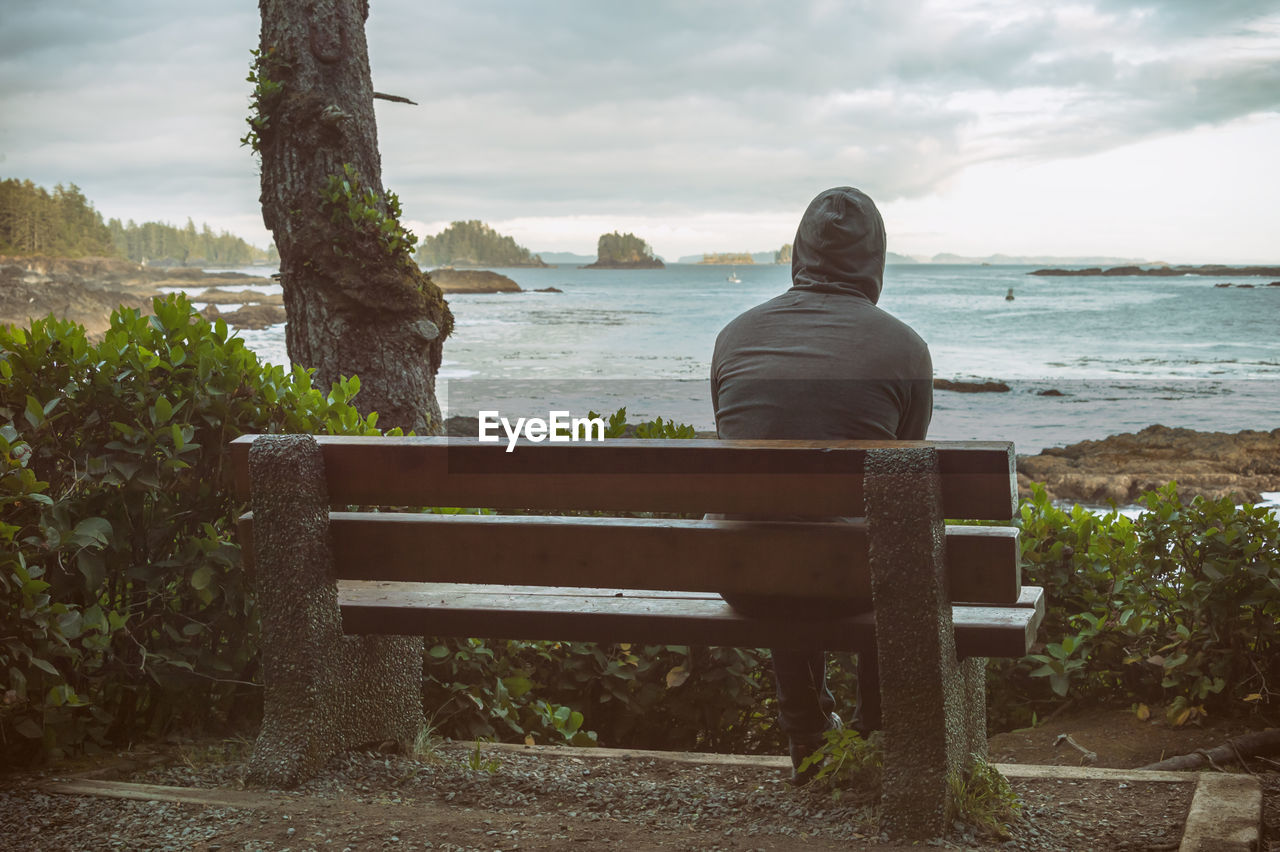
x: 822, y: 362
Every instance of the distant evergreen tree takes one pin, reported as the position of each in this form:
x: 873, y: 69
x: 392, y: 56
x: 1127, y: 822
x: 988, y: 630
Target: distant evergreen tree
x: 473, y: 243
x: 783, y: 255
x: 62, y: 223
x: 153, y: 242
x: 65, y: 224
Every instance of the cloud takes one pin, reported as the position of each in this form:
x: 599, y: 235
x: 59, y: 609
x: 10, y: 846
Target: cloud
x: 661, y: 109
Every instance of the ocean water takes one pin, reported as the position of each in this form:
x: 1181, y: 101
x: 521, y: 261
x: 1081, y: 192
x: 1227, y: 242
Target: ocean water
x: 1123, y: 352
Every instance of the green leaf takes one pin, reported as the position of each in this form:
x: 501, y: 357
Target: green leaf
x: 162, y: 411
x: 516, y: 685
x: 201, y: 577
x: 29, y: 729
x: 45, y: 666
x: 438, y: 652
x: 34, y: 412
x: 70, y: 624
x: 91, y: 531
x: 93, y: 619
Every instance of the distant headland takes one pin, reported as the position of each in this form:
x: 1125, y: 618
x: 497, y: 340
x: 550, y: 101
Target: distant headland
x: 1163, y: 270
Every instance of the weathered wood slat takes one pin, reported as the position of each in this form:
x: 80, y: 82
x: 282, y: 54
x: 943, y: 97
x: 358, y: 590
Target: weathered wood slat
x: 647, y: 617
x: 694, y: 556
x: 807, y: 477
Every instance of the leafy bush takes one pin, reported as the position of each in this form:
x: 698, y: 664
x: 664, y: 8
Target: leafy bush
x: 656, y: 696
x: 848, y: 761
x: 121, y: 590
x: 1180, y: 605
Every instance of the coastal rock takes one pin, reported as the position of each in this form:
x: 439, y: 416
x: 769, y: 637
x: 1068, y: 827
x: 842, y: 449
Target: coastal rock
x: 970, y: 387
x: 84, y: 292
x: 472, y: 281
x: 1122, y: 467
x: 255, y: 317
x: 216, y: 296
x: 548, y: 290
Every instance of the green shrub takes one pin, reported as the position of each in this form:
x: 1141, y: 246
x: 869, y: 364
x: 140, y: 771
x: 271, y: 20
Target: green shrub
x: 125, y: 607
x: 655, y: 696
x: 848, y: 762
x: 1179, y: 606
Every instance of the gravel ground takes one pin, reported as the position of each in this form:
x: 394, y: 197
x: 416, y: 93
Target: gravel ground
x: 458, y: 798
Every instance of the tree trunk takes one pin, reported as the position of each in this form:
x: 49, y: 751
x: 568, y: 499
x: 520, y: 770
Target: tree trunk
x: 356, y: 302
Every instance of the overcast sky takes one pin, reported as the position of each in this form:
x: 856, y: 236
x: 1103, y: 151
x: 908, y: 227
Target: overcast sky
x: 1106, y: 127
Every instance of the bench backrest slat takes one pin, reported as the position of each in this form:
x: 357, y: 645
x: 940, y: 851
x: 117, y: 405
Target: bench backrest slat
x: 806, y: 477
x: 690, y: 556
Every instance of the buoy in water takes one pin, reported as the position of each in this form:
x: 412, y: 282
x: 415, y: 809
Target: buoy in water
x: 1008, y: 297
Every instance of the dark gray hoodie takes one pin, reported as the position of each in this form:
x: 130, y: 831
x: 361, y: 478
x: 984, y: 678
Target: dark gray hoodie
x: 821, y: 361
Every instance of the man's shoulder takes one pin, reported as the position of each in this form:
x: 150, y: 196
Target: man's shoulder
x: 899, y: 327
x: 756, y: 314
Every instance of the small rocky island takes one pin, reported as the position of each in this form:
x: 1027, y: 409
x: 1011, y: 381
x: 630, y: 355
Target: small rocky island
x: 452, y: 280
x: 624, y: 251
x: 474, y: 244
x: 1165, y: 270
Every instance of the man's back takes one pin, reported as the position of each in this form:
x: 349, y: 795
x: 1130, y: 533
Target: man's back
x: 821, y: 361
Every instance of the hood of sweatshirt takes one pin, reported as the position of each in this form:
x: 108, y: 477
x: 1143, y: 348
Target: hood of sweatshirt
x: 840, y: 245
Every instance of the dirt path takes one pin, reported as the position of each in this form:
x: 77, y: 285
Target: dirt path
x: 461, y: 797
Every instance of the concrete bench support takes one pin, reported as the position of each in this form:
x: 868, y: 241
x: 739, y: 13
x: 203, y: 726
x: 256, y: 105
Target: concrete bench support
x: 325, y: 692
x: 933, y: 704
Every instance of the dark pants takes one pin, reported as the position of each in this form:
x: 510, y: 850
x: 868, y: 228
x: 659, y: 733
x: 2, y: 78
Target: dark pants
x: 805, y: 703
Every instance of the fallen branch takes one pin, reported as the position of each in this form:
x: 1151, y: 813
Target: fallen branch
x: 1236, y: 749
x: 1087, y: 756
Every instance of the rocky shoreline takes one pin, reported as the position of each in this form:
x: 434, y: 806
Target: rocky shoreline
x: 1122, y: 467
x: 1165, y: 271
x: 87, y: 290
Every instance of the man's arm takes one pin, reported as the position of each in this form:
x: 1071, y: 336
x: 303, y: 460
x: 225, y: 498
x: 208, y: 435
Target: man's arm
x: 914, y: 424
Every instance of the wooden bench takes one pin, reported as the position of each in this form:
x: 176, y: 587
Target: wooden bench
x: 938, y: 599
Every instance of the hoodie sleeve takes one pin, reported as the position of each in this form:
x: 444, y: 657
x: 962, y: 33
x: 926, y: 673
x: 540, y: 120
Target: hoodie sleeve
x: 914, y: 424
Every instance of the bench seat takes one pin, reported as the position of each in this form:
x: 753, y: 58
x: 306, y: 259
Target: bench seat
x: 573, y: 614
